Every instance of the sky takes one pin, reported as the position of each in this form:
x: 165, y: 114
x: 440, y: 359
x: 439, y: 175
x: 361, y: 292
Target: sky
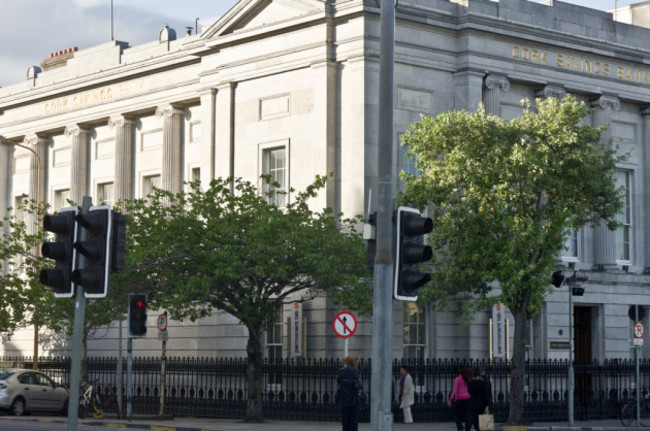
x: 31, y: 29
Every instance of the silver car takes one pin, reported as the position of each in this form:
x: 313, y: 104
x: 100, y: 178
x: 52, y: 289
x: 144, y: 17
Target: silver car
x: 24, y: 391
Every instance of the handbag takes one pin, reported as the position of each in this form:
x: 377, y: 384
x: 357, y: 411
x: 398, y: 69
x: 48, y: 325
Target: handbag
x: 486, y: 421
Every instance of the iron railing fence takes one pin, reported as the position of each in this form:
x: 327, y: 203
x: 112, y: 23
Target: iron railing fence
x: 304, y: 389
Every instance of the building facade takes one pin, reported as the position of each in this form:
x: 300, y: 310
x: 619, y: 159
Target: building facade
x: 290, y: 88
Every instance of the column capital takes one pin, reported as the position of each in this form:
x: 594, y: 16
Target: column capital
x: 168, y: 110
x: 3, y: 140
x: 34, y: 139
x: 496, y: 81
x: 75, y: 130
x: 119, y: 120
x: 645, y: 110
x: 551, y: 91
x: 606, y: 102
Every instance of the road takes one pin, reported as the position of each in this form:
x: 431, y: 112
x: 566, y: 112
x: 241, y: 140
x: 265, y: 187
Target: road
x: 7, y: 424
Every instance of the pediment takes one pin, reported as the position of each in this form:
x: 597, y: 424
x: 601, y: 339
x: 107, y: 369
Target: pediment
x: 255, y: 14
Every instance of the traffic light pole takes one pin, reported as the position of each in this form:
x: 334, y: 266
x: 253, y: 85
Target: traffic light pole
x: 77, y: 338
x: 381, y: 416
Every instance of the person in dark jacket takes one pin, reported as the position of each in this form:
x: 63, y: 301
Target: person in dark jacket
x: 478, y: 400
x: 349, y: 385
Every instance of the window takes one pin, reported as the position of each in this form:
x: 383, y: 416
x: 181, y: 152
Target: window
x: 195, y: 174
x: 18, y: 208
x: 149, y: 183
x: 407, y: 163
x: 105, y: 193
x: 414, y: 331
x: 571, y: 245
x: 274, y: 338
x: 61, y: 199
x: 622, y: 234
x: 275, y: 165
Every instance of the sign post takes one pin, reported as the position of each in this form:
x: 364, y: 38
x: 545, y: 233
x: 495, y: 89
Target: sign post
x: 344, y: 325
x: 162, y: 327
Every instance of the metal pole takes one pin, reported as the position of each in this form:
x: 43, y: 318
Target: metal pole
x: 112, y: 37
x: 381, y: 416
x: 129, y: 366
x: 77, y: 340
x: 119, y: 376
x: 570, y: 374
x: 636, y: 374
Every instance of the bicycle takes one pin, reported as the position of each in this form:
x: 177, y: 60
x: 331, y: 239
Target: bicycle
x: 90, y: 402
x: 628, y: 411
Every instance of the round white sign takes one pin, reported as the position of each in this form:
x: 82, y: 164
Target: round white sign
x: 345, y: 324
x: 162, y: 322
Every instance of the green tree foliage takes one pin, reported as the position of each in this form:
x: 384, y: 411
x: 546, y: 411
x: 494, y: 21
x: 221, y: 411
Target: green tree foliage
x: 505, y: 195
x: 230, y: 248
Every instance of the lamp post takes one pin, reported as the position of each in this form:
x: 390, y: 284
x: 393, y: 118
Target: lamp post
x: 38, y: 230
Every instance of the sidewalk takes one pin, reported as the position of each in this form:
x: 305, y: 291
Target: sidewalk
x: 210, y: 424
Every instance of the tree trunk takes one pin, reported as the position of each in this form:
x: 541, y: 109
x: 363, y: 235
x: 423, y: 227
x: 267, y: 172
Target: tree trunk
x: 254, y: 409
x: 516, y: 396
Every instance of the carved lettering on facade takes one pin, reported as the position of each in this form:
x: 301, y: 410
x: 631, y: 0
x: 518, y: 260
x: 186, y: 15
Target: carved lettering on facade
x: 586, y: 65
x: 94, y: 97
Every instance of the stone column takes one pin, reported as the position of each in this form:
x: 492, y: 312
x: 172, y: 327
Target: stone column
x: 494, y: 85
x: 551, y: 91
x: 5, y: 172
x: 468, y: 90
x: 224, y: 162
x: 80, y: 169
x: 37, y: 188
x: 645, y: 111
x: 604, y: 239
x: 124, y: 157
x: 172, y: 164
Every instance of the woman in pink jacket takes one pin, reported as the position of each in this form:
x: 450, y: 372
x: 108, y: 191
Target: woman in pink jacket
x: 461, y: 395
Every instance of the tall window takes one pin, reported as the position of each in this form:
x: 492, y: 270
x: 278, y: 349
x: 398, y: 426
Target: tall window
x: 149, y: 183
x: 623, y: 233
x: 274, y: 338
x: 105, y: 193
x: 195, y: 174
x: 571, y: 244
x: 414, y: 331
x: 275, y: 165
x: 61, y: 199
x: 408, y: 164
x: 18, y: 210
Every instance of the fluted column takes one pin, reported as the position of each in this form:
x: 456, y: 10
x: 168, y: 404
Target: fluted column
x: 172, y: 164
x: 38, y: 166
x: 645, y: 261
x: 494, y: 85
x: 604, y: 239
x: 5, y: 171
x: 208, y: 128
x: 80, y: 169
x: 124, y: 157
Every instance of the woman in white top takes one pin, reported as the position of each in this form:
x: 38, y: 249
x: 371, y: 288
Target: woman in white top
x: 406, y: 393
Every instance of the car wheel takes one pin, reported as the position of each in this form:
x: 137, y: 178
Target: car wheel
x: 18, y: 407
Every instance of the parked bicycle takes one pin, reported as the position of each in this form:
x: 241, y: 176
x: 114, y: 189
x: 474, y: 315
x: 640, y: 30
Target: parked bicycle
x: 90, y: 401
x: 628, y: 411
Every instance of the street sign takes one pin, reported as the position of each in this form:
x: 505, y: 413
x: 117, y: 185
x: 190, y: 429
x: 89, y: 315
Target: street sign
x: 345, y: 324
x: 162, y: 322
x: 638, y: 342
x: 638, y: 330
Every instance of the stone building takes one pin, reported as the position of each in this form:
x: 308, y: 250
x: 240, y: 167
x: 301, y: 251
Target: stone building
x: 290, y: 88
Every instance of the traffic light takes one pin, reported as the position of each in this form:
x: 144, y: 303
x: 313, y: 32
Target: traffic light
x: 410, y: 251
x: 118, y: 248
x: 62, y: 251
x: 137, y: 315
x: 95, y: 232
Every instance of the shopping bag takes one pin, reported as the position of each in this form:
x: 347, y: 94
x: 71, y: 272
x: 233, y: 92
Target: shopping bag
x: 486, y: 421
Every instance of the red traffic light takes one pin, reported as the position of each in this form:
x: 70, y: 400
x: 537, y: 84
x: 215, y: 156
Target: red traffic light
x: 142, y: 304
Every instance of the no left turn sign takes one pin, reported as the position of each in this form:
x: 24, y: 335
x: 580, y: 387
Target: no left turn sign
x: 345, y: 324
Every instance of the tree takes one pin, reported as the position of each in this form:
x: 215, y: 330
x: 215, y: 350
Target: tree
x: 231, y: 248
x: 505, y: 195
